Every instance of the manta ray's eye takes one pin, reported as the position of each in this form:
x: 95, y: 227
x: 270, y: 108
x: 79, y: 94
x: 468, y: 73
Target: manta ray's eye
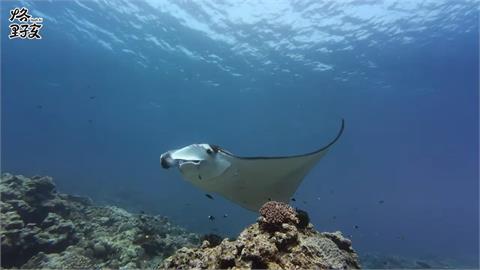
x: 215, y: 148
x: 209, y: 151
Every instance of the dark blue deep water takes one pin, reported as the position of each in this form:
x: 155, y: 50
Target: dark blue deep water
x: 113, y: 84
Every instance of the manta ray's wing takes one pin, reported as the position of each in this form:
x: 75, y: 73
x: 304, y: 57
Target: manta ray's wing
x: 252, y: 181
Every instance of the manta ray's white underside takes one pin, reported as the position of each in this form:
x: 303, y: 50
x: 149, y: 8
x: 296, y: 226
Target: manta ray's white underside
x: 247, y: 181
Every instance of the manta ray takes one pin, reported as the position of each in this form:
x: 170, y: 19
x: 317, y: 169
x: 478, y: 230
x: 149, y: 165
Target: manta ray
x: 247, y: 181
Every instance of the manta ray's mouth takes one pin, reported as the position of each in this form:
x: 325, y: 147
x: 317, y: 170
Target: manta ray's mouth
x: 167, y: 161
x: 182, y: 161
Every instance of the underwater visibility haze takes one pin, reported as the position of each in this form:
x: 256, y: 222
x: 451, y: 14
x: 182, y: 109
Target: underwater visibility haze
x: 112, y: 85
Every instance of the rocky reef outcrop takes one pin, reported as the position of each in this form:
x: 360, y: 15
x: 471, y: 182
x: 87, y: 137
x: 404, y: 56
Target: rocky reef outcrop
x: 41, y: 228
x: 279, y: 240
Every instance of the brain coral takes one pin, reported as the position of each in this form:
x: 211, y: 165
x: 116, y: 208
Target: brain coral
x: 277, y: 213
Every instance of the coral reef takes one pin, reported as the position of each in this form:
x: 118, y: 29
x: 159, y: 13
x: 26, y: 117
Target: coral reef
x: 261, y: 245
x: 41, y: 228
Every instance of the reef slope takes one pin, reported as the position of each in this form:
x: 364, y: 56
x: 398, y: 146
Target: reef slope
x: 42, y: 228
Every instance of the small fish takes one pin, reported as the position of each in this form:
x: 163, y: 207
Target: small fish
x: 209, y: 196
x: 334, y: 217
x: 381, y: 201
x: 90, y: 121
x: 294, y: 200
x: 356, y: 226
x: 93, y: 97
x: 39, y: 106
x: 225, y: 215
x: 304, y: 202
x: 211, y: 218
x: 142, y: 212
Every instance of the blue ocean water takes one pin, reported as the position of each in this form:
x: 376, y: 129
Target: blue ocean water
x: 113, y: 84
